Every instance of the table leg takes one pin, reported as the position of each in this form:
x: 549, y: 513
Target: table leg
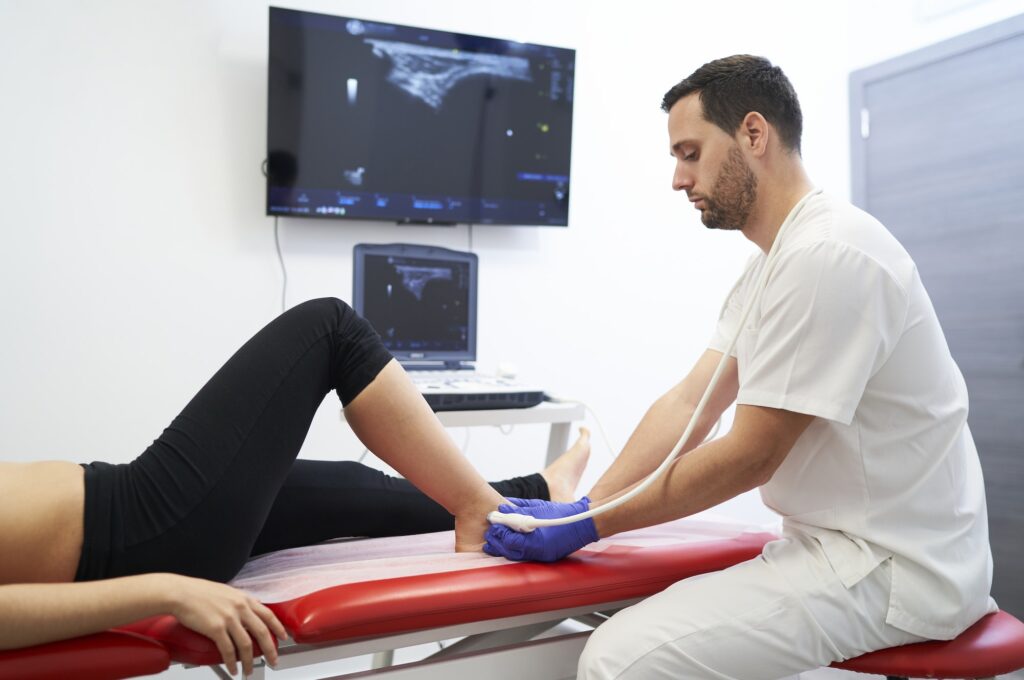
x: 384, y: 659
x: 558, y: 441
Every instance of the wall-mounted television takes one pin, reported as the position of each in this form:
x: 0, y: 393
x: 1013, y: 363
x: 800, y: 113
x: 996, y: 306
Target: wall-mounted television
x: 376, y: 121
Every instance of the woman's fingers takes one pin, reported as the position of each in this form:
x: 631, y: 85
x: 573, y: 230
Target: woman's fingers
x: 229, y: 617
x: 243, y: 643
x: 227, y: 650
x: 269, y: 618
x: 259, y: 630
x: 250, y: 625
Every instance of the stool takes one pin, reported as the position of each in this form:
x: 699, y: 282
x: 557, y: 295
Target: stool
x: 992, y: 646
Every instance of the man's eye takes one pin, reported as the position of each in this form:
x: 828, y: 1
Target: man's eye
x: 689, y: 156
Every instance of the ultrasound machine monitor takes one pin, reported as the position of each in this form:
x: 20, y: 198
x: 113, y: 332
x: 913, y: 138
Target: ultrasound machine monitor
x: 422, y: 301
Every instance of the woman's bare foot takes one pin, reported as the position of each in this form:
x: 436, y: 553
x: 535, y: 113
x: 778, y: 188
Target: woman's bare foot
x: 564, y: 474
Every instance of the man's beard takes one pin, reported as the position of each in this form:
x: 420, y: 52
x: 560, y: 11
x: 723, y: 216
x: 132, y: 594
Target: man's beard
x: 732, y: 197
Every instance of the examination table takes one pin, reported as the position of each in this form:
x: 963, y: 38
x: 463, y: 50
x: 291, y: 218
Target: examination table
x: 514, y: 620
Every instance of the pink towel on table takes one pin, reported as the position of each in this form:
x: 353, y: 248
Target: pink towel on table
x: 288, y: 574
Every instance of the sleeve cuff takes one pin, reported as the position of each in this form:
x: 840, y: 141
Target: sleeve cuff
x: 829, y: 410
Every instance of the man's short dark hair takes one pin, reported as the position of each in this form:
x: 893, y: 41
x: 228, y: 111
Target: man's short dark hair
x: 732, y: 87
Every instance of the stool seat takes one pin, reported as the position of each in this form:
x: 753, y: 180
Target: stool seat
x: 992, y: 646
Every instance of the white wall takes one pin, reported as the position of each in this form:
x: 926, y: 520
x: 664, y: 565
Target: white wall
x: 136, y: 256
x: 882, y: 29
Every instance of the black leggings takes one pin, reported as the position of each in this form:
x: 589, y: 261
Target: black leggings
x: 222, y: 482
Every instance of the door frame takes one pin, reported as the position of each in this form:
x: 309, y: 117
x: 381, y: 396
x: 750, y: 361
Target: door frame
x: 861, y: 78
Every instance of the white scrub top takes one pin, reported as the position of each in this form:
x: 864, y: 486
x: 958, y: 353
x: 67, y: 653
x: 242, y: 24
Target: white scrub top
x: 846, y: 332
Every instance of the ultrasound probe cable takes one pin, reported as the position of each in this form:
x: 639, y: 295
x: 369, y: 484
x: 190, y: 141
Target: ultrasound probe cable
x: 527, y: 523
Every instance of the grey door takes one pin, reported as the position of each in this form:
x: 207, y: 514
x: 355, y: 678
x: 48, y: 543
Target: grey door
x: 938, y: 156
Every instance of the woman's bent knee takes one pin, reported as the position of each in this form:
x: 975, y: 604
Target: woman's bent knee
x: 326, y: 306
x: 332, y: 314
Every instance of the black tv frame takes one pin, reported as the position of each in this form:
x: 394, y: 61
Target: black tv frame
x: 530, y: 195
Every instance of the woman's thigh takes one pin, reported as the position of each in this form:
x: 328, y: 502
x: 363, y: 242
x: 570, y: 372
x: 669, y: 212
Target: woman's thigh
x: 196, y: 499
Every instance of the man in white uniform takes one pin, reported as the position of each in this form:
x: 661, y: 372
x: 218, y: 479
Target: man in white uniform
x: 851, y: 417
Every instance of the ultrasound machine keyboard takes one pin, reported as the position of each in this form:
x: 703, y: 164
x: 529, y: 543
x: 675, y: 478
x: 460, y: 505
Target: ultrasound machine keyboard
x: 457, y: 379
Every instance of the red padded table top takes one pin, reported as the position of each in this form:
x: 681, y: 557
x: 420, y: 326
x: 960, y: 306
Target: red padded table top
x: 993, y: 646
x: 412, y: 603
x: 103, y: 656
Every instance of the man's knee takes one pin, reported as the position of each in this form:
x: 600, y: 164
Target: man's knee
x: 613, y: 653
x: 601, y: 656
x: 640, y: 643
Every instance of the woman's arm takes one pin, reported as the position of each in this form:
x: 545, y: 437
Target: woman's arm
x: 35, y: 613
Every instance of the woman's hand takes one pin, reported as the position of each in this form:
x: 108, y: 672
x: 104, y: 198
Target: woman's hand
x: 36, y: 613
x: 227, y: 616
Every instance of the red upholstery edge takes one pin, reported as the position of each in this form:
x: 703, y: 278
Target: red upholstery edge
x: 992, y: 646
x: 184, y: 645
x: 430, y: 600
x: 102, y: 656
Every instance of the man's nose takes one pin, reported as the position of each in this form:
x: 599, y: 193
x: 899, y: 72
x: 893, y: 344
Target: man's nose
x: 681, y: 180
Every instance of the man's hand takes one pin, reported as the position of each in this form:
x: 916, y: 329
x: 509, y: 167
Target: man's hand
x: 228, y: 617
x: 541, y: 509
x: 543, y: 544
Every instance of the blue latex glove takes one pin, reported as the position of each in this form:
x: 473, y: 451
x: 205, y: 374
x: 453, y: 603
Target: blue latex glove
x: 541, y: 509
x: 543, y: 544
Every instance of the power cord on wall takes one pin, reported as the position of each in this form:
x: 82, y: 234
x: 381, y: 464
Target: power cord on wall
x: 277, y: 245
x: 284, y: 271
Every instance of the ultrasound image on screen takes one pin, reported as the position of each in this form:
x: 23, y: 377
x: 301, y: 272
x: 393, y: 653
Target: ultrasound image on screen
x: 374, y: 120
x: 417, y: 304
x: 429, y: 73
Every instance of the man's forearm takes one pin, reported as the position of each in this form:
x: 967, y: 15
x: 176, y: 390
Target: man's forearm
x: 35, y: 613
x: 654, y: 437
x: 709, y: 475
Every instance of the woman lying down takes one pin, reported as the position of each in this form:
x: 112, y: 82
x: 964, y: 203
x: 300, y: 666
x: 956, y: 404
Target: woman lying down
x: 84, y: 548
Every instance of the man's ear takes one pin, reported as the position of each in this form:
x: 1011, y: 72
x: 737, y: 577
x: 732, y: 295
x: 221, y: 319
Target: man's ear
x: 753, y: 133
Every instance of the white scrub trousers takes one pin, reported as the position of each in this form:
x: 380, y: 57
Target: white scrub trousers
x: 778, y: 614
